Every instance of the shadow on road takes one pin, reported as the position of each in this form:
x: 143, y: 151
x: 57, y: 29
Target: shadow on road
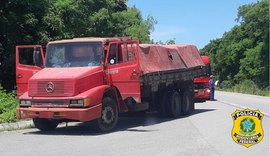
x: 131, y: 122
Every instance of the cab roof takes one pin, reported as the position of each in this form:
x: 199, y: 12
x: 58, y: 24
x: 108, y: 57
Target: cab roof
x: 91, y: 39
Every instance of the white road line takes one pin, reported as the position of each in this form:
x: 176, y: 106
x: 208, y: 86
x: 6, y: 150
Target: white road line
x: 242, y: 94
x: 239, y: 106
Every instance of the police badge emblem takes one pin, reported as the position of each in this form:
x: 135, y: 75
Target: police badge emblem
x: 247, y: 127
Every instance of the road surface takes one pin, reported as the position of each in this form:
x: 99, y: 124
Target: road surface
x: 206, y: 132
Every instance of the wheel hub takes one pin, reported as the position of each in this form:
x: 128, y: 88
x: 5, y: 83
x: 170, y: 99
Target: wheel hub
x: 108, y: 115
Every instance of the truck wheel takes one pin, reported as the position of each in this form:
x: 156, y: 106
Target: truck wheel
x: 109, y: 115
x: 187, y: 102
x: 45, y: 124
x: 174, y: 105
x: 192, y: 99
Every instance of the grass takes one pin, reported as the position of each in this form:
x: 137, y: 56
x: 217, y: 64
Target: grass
x: 8, y: 105
x: 246, y: 87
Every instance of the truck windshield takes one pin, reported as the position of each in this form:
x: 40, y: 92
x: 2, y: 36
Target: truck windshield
x: 209, y: 69
x: 75, y: 54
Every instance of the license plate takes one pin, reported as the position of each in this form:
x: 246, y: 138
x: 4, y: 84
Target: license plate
x: 201, y: 92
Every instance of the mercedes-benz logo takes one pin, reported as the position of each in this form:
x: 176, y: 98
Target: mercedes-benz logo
x: 50, y: 87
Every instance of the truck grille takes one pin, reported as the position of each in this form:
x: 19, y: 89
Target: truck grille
x: 50, y: 103
x: 51, y: 88
x: 199, y: 86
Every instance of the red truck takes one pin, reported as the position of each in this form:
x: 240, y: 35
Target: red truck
x: 95, y: 79
x: 201, y: 84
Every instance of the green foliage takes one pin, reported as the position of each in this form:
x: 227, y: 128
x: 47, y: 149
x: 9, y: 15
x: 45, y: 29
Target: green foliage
x: 243, y: 52
x: 170, y: 41
x: 225, y: 84
x: 39, y: 21
x: 8, y: 104
x: 130, y: 23
x: 247, y: 87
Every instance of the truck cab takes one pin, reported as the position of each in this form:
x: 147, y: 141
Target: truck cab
x: 201, y: 84
x: 81, y: 79
x: 95, y: 79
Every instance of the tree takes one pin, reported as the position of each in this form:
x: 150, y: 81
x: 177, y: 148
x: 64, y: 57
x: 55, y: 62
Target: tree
x: 39, y: 21
x: 170, y: 41
x: 255, y: 64
x: 243, y: 52
x: 20, y: 23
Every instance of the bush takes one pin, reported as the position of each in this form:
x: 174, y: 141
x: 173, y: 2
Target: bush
x: 247, y: 87
x: 226, y: 84
x: 8, y: 104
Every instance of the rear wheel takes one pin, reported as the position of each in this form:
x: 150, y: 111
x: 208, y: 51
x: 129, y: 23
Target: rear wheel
x: 174, y: 105
x: 187, y: 102
x: 45, y: 124
x: 109, y: 115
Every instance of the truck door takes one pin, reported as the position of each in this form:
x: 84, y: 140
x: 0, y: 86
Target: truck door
x: 123, y: 70
x: 29, y: 60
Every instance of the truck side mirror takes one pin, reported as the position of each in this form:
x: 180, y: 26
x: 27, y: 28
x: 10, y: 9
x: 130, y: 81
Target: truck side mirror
x: 37, y: 58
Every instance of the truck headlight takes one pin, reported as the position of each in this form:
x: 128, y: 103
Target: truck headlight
x: 208, y: 90
x: 79, y: 102
x: 25, y: 103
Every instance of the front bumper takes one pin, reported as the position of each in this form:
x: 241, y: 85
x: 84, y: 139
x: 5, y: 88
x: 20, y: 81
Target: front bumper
x: 201, y: 94
x: 79, y: 114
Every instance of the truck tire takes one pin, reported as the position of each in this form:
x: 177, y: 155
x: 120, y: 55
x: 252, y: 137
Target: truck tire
x: 192, y: 99
x: 109, y: 116
x: 187, y: 102
x: 174, y: 106
x: 45, y: 124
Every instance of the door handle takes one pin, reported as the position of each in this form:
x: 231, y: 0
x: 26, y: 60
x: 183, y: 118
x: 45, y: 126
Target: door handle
x: 19, y: 76
x: 135, y: 72
x: 134, y: 75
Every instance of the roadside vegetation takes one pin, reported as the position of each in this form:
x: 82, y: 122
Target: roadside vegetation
x: 240, y: 59
x: 247, y: 87
x: 8, y: 104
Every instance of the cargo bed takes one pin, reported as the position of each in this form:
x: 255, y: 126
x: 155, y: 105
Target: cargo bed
x: 168, y: 77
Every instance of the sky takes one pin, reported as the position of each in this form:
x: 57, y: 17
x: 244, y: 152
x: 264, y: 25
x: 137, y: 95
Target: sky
x: 190, y: 21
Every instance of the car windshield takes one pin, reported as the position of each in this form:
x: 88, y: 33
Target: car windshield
x: 75, y: 54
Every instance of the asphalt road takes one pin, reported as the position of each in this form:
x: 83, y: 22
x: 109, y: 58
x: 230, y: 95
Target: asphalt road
x: 206, y: 132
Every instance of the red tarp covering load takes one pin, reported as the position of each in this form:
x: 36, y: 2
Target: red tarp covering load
x: 155, y: 58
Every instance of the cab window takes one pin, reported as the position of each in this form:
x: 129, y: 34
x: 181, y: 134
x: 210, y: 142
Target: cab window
x: 122, y: 53
x: 27, y: 55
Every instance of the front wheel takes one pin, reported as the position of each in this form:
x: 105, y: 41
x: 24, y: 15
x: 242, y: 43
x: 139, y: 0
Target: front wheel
x: 45, y: 124
x: 109, y: 115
